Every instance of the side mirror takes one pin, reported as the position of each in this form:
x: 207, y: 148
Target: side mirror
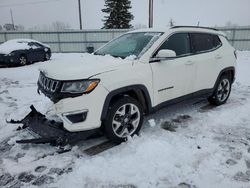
x: 166, y: 54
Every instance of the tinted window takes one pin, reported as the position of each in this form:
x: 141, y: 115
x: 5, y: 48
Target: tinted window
x: 179, y: 43
x: 203, y: 42
x: 34, y: 45
x: 216, y: 41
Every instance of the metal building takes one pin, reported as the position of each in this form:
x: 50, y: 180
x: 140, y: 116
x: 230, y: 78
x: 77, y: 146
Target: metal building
x: 89, y: 40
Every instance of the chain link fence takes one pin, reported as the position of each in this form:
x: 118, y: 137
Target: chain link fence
x: 239, y: 37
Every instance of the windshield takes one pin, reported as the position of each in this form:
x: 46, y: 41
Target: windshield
x: 131, y: 44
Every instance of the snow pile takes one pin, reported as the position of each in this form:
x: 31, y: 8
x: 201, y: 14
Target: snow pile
x: 186, y: 145
x: 243, y: 69
x: 152, y: 122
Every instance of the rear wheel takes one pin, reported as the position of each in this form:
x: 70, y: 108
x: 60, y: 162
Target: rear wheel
x: 22, y: 60
x: 222, y: 91
x: 124, y: 119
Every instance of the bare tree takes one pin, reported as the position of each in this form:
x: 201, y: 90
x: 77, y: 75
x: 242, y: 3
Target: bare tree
x: 9, y: 27
x: 19, y: 27
x: 55, y: 26
x: 139, y: 26
x: 58, y: 26
x: 230, y: 24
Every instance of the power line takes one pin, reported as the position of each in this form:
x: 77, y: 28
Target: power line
x: 27, y: 3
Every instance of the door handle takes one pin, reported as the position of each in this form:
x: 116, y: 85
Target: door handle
x: 218, y: 56
x: 189, y: 63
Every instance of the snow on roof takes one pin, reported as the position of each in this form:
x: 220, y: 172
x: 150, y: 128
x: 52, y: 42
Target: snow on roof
x: 150, y: 30
x: 17, y: 44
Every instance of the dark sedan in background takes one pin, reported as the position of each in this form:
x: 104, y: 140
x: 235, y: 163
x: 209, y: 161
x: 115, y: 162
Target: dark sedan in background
x: 23, y: 51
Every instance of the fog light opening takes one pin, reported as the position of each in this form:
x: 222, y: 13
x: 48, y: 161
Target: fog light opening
x: 76, y: 117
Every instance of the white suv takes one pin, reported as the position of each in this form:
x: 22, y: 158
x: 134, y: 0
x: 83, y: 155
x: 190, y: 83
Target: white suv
x: 136, y: 74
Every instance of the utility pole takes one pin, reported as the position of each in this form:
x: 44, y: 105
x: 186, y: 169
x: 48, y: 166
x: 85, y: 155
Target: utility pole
x: 151, y: 12
x: 80, y: 14
x: 12, y: 19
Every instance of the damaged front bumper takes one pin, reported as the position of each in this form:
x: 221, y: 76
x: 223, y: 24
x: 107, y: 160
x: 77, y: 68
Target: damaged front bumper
x: 78, y: 112
x: 49, y: 131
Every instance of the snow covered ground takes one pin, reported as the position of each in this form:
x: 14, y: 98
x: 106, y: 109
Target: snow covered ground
x: 189, y: 145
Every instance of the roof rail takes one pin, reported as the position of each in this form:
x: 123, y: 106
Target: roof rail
x: 175, y: 27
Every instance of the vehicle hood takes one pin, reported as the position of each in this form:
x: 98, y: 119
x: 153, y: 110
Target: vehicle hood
x: 86, y: 66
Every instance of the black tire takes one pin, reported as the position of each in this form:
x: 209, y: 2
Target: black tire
x: 115, y: 117
x: 222, y: 91
x: 22, y: 60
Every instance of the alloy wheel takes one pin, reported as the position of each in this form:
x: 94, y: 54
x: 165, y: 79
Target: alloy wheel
x: 23, y: 60
x: 223, y: 90
x: 126, y: 120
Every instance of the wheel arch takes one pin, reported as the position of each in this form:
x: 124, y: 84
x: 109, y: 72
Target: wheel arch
x: 23, y: 54
x: 138, y: 92
x: 230, y: 71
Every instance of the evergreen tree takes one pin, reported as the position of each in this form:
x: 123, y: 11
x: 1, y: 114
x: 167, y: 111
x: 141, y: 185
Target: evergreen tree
x: 118, y: 16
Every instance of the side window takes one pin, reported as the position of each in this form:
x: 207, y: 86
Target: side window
x: 34, y: 45
x: 204, y: 42
x: 179, y: 43
x: 216, y: 41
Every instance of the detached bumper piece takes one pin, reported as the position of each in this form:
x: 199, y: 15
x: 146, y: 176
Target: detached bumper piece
x: 49, y: 131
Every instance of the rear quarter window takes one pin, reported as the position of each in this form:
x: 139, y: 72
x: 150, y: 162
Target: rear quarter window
x: 202, y: 42
x: 216, y: 41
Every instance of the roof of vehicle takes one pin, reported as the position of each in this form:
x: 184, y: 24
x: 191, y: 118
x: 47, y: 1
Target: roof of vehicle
x: 17, y: 44
x: 182, y: 28
x: 25, y: 41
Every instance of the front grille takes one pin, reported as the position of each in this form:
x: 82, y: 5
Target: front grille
x: 47, y: 84
x: 51, y: 88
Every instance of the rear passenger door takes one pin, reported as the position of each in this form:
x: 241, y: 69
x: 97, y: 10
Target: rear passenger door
x: 206, y: 50
x: 173, y: 77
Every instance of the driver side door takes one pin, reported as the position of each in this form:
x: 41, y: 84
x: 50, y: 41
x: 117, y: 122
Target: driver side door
x: 36, y: 51
x: 173, y: 77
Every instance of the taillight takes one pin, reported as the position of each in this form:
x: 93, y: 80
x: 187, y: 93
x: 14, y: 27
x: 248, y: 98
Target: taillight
x: 235, y: 54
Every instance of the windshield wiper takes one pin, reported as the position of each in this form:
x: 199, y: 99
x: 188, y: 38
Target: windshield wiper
x: 103, y: 54
x: 95, y: 53
x: 117, y: 56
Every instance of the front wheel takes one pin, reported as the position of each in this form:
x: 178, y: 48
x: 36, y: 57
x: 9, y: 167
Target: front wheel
x: 125, y: 118
x: 222, y: 91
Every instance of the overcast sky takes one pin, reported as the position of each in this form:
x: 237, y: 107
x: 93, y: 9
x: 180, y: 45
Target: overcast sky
x: 184, y: 12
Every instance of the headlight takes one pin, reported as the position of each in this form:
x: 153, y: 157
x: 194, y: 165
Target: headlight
x: 85, y: 86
